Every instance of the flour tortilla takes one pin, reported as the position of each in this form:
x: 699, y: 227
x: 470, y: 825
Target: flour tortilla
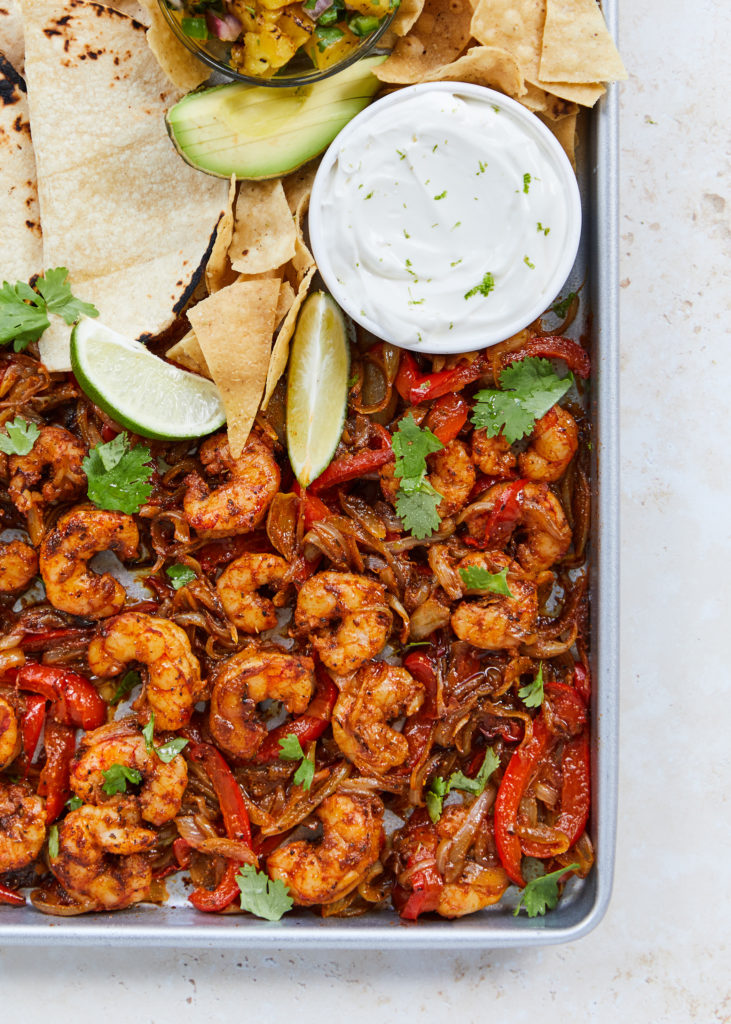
x: 21, y: 253
x: 131, y: 221
x: 11, y: 34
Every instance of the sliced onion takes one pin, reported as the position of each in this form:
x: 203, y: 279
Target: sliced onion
x: 228, y: 28
x: 427, y: 618
x: 320, y: 7
x: 451, y: 855
x: 220, y: 846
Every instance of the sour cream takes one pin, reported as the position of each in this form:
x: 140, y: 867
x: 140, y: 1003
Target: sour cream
x: 445, y: 218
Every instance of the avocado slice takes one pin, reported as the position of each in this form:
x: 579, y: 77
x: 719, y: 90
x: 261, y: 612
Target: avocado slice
x: 258, y: 132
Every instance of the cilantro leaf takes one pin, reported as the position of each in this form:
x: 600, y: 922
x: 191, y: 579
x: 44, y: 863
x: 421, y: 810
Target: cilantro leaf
x: 418, y: 510
x: 542, y: 893
x: 411, y: 444
x: 171, y: 749
x: 261, y: 895
x: 149, y: 733
x: 562, y: 307
x: 532, y: 693
x: 435, y: 797
x: 116, y: 778
x: 20, y: 438
x: 290, y: 748
x: 305, y: 773
x: 477, y: 578
x: 126, y: 684
x: 118, y: 478
x: 477, y: 785
x: 179, y: 575
x: 53, y: 841
x: 74, y: 803
x: 530, y: 387
x: 22, y: 315
x: 56, y: 291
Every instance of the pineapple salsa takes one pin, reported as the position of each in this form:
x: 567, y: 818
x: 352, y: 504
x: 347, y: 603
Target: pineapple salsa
x: 265, y: 35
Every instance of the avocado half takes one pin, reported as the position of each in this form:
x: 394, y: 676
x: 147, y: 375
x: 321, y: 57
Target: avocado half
x: 257, y: 132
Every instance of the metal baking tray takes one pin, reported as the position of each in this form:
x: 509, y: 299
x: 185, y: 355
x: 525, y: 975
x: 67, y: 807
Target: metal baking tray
x: 584, y: 902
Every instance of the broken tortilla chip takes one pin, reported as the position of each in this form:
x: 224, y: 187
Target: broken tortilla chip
x: 218, y: 271
x: 180, y: 65
x: 234, y: 328
x: 577, y: 46
x: 516, y: 26
x: 483, y: 65
x: 586, y: 95
x: 264, y: 230
x: 298, y: 188
x: 280, y: 352
x: 284, y: 302
x: 438, y: 37
x: 188, y: 354
x: 406, y: 16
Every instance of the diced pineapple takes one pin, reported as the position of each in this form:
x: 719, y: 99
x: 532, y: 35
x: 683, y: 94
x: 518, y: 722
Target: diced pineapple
x: 266, y: 51
x: 295, y: 23
x: 245, y: 11
x: 273, y: 5
x: 375, y: 7
x: 336, y: 51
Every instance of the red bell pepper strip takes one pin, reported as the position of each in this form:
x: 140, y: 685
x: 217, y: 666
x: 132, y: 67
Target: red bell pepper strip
x: 33, y: 642
x: 314, y: 508
x: 415, y: 387
x: 54, y: 785
x: 31, y: 727
x: 553, y: 347
x: 422, y: 667
x: 521, y: 769
x: 308, y: 726
x: 220, y: 552
x: 357, y: 464
x: 212, y: 901
x: 426, y: 887
x: 76, y: 701
x: 500, y: 522
x: 582, y: 681
x: 8, y: 895
x: 568, y: 705
x: 447, y: 417
x: 182, y: 852
x: 575, y: 797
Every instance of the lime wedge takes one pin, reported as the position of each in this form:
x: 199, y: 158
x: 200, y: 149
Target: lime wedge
x: 140, y: 390
x: 317, y: 389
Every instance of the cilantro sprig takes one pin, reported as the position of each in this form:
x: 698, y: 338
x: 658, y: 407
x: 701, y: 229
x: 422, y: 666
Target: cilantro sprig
x: 541, y: 894
x: 529, y: 388
x: 168, y: 750
x: 20, y: 438
x: 126, y: 685
x: 476, y: 578
x: 53, y: 841
x: 117, y: 776
x: 118, y: 476
x: 532, y: 693
x: 417, y: 500
x: 24, y: 310
x: 261, y: 895
x: 290, y: 749
x: 458, y: 780
x: 179, y: 575
x: 74, y: 803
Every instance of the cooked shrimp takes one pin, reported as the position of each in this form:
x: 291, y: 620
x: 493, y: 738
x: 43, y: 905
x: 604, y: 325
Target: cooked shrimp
x: 67, y: 548
x: 18, y: 565
x: 345, y: 617
x: 174, y: 682
x: 326, y: 870
x: 543, y: 533
x: 496, y: 622
x: 162, y: 784
x: 22, y: 827
x: 240, y: 503
x: 377, y: 694
x: 56, y: 455
x: 244, y: 680
x: 100, y: 855
x: 9, y: 734
x: 493, y: 456
x: 453, y: 475
x: 238, y: 587
x: 553, y: 444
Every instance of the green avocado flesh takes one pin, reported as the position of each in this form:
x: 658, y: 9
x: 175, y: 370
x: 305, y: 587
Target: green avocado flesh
x: 257, y: 132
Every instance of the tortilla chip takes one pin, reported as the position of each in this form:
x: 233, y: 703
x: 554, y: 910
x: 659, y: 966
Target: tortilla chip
x: 188, y: 354
x: 437, y: 38
x: 565, y: 131
x: 284, y: 302
x: 577, y: 46
x: 406, y: 16
x: 116, y: 200
x: 54, y: 345
x: 280, y: 352
x: 483, y: 65
x: 21, y: 251
x: 298, y: 188
x: 234, y: 328
x: 264, y: 232
x: 587, y: 95
x: 11, y: 34
x: 218, y: 269
x: 542, y: 102
x: 516, y: 26
x: 180, y: 65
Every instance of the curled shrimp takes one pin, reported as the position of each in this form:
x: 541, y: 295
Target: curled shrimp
x: 22, y: 827
x: 494, y: 621
x: 345, y: 617
x: 66, y: 550
x: 328, y: 869
x: 100, y: 859
x: 247, y: 678
x: 453, y: 476
x: 174, y: 682
x: 162, y: 783
x: 238, y: 587
x: 493, y: 456
x: 18, y: 565
x: 51, y: 471
x: 552, y: 446
x: 377, y: 694
x: 240, y: 503
x: 9, y: 734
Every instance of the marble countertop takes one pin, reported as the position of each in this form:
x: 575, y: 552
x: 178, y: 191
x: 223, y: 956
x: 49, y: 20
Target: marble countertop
x: 661, y: 956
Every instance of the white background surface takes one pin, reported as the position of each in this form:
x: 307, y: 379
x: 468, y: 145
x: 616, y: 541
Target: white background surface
x: 662, y: 952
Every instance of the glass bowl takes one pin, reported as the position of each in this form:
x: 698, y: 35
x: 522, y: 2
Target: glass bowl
x: 299, y: 71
